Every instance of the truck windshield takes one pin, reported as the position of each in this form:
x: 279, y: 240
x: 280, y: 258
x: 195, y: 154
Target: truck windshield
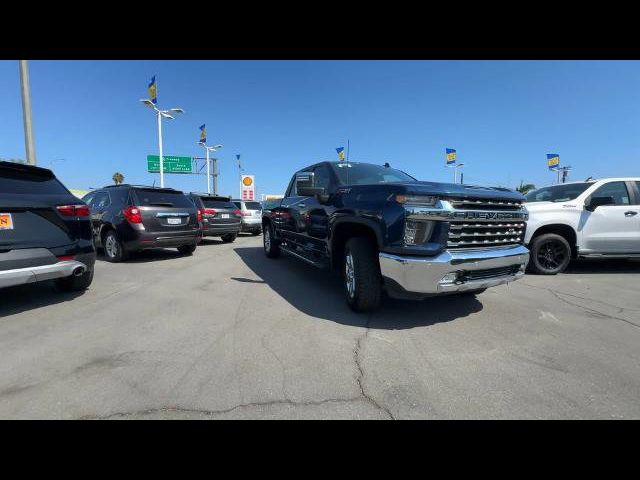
x: 557, y: 193
x: 350, y: 173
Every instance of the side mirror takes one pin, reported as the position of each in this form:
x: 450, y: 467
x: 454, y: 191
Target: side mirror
x: 595, y: 202
x: 305, y: 188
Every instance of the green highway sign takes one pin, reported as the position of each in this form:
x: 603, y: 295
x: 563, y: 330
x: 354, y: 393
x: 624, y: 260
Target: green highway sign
x: 171, y: 164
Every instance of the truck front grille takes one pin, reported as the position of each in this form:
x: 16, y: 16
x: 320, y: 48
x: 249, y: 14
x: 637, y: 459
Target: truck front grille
x: 474, y: 234
x: 468, y: 234
x: 484, y: 204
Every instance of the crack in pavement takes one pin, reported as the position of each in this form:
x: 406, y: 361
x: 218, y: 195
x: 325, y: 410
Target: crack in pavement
x: 587, y: 309
x: 360, y: 378
x: 178, y: 409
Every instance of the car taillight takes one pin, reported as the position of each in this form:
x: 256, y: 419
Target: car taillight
x: 74, y: 210
x: 64, y: 258
x: 199, y: 214
x: 210, y: 211
x: 132, y: 214
x: 237, y: 212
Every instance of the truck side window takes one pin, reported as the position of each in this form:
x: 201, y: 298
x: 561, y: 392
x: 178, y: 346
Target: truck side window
x: 291, y: 189
x: 617, y: 190
x: 321, y: 177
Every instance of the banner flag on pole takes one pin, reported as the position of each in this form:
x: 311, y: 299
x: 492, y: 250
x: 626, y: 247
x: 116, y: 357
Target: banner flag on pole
x: 153, y: 90
x: 553, y: 161
x: 340, y: 151
x: 451, y: 156
x: 203, y: 134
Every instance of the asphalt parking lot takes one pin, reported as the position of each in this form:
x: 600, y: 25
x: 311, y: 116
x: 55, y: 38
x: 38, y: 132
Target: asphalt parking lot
x: 228, y: 333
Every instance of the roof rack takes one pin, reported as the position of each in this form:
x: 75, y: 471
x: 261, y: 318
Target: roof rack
x: 137, y: 186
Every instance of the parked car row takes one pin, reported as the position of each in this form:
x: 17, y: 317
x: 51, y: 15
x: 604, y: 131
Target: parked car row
x: 382, y: 229
x: 47, y: 233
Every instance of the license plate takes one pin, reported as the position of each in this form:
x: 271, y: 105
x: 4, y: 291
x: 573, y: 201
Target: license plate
x: 174, y: 221
x: 225, y: 215
x: 6, y: 222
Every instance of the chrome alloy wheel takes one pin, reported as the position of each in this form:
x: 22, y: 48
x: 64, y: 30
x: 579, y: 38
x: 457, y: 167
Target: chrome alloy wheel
x: 267, y: 239
x: 111, y: 246
x: 349, y: 275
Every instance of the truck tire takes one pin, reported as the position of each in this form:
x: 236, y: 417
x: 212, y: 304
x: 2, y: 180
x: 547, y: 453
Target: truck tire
x: 361, y: 274
x: 271, y: 247
x: 73, y: 283
x: 550, y: 254
x: 114, y: 250
x: 187, y: 249
x: 229, y: 237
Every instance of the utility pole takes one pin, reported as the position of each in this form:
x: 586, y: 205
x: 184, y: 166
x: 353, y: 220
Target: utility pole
x: 26, y: 113
x: 215, y: 176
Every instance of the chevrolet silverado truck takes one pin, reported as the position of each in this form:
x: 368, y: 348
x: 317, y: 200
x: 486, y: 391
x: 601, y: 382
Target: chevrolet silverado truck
x: 591, y: 219
x: 386, y: 231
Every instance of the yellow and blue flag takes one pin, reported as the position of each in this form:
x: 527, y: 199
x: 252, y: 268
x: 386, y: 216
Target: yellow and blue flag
x: 153, y: 90
x: 340, y: 151
x: 203, y: 134
x: 553, y: 161
x: 451, y: 156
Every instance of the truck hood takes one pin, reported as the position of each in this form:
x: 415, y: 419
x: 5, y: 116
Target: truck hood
x: 550, y: 206
x: 460, y: 191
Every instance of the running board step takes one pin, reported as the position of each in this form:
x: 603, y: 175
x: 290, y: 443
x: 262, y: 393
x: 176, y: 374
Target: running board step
x: 315, y: 263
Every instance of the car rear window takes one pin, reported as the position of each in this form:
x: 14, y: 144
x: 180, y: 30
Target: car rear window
x: 252, y: 205
x: 208, y: 203
x: 20, y: 181
x: 153, y: 197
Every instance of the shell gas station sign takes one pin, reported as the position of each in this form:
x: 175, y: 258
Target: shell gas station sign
x: 248, y: 187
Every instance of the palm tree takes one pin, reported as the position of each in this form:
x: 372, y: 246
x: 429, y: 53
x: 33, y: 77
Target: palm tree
x: 118, y: 178
x: 525, y: 188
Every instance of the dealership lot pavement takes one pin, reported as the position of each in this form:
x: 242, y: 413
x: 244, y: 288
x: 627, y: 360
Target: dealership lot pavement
x: 228, y: 333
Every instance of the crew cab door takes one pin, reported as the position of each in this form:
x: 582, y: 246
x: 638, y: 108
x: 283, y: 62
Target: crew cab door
x: 612, y: 228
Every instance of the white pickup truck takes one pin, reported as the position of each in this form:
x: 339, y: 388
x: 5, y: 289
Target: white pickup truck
x: 597, y: 218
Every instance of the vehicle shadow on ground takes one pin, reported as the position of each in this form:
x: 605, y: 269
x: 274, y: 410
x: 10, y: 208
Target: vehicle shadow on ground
x: 604, y: 266
x: 152, y: 255
x: 23, y: 298
x: 319, y: 294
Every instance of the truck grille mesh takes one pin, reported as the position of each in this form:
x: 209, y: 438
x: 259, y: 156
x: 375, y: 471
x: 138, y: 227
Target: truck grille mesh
x: 470, y: 234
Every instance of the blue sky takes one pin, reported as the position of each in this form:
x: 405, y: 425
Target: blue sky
x: 503, y: 117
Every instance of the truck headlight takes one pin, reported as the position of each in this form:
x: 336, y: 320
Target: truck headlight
x: 417, y: 232
x: 422, y: 200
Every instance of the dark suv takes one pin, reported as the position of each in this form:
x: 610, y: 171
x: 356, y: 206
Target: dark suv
x: 128, y: 218
x: 220, y: 217
x: 45, y: 231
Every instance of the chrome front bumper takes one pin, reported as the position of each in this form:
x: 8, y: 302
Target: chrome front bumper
x: 426, y: 275
x: 19, y: 276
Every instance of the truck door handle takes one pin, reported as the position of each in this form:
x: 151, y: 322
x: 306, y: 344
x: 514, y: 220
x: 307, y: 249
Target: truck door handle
x: 302, y: 205
x: 630, y: 213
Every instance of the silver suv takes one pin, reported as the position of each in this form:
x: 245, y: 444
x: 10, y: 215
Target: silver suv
x: 251, y: 216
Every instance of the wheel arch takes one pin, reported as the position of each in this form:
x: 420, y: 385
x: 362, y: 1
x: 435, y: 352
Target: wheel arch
x: 562, y: 229
x: 343, y: 230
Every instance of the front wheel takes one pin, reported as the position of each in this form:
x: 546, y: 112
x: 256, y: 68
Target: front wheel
x: 271, y: 247
x: 362, y: 279
x: 187, y: 249
x: 550, y: 254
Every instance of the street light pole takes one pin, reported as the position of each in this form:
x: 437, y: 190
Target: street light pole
x: 208, y: 172
x: 160, y: 114
x: 26, y: 113
x: 160, y: 149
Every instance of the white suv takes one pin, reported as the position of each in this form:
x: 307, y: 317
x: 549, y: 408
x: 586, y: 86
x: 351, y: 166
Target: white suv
x: 251, y: 216
x: 597, y: 218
